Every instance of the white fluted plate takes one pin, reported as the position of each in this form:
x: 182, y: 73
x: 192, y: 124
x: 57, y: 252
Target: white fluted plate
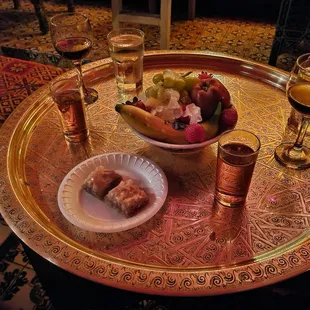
x: 90, y: 213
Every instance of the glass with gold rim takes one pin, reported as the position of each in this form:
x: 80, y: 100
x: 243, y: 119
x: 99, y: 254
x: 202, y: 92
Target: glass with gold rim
x: 296, y: 155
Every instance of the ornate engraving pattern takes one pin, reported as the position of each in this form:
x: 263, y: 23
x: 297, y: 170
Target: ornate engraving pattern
x: 191, y: 246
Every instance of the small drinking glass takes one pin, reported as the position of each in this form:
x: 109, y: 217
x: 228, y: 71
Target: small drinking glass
x: 68, y: 96
x: 237, y: 154
x: 72, y: 38
x: 295, y: 155
x: 126, y: 47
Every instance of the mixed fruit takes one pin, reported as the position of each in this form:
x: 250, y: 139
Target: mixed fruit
x: 181, y: 108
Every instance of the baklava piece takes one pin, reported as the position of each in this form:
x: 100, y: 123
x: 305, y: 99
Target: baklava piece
x: 127, y: 198
x: 101, y: 181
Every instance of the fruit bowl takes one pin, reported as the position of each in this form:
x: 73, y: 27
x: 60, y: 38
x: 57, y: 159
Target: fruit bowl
x: 177, y: 148
x: 180, y: 113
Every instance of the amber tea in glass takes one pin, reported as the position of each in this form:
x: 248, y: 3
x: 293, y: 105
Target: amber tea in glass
x: 237, y: 155
x: 68, y: 96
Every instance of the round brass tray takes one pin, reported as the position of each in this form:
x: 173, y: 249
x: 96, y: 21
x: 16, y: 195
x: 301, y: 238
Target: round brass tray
x: 190, y: 247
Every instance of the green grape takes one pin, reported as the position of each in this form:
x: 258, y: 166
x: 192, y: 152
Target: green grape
x: 191, y: 81
x: 168, y: 72
x: 179, y: 84
x: 171, y: 73
x: 160, y: 93
x: 151, y: 92
x: 158, y: 78
x: 169, y: 82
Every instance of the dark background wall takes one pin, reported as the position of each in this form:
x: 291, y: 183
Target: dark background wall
x: 265, y: 10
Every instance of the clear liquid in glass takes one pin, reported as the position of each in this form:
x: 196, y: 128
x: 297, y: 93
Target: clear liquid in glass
x: 127, y: 51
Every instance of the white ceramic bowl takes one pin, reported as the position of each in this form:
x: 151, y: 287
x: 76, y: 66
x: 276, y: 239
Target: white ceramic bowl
x: 177, y: 148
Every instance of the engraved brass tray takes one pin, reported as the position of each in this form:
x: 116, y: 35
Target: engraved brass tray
x: 190, y: 247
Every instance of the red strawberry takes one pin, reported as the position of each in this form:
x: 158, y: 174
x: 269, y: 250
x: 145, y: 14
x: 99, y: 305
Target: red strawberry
x: 229, y: 118
x: 194, y: 133
x: 184, y: 119
x: 140, y: 104
x: 204, y: 75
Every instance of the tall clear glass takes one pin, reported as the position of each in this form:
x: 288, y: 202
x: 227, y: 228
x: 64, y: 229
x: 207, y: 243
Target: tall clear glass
x: 72, y: 38
x: 296, y: 155
x: 126, y: 47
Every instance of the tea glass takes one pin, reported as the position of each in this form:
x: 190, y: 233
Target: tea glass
x: 68, y: 96
x: 237, y: 154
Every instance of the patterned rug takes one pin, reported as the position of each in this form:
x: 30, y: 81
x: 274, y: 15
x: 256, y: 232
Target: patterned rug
x: 246, y: 37
x: 19, y: 79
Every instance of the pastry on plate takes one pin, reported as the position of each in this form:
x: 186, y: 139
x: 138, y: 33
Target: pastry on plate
x: 101, y: 181
x: 127, y: 197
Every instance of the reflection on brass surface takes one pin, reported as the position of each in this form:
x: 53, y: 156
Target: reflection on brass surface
x: 294, y: 121
x: 191, y: 246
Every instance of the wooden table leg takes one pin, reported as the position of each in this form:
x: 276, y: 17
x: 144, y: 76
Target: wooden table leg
x: 117, y: 6
x: 40, y: 12
x: 165, y: 23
